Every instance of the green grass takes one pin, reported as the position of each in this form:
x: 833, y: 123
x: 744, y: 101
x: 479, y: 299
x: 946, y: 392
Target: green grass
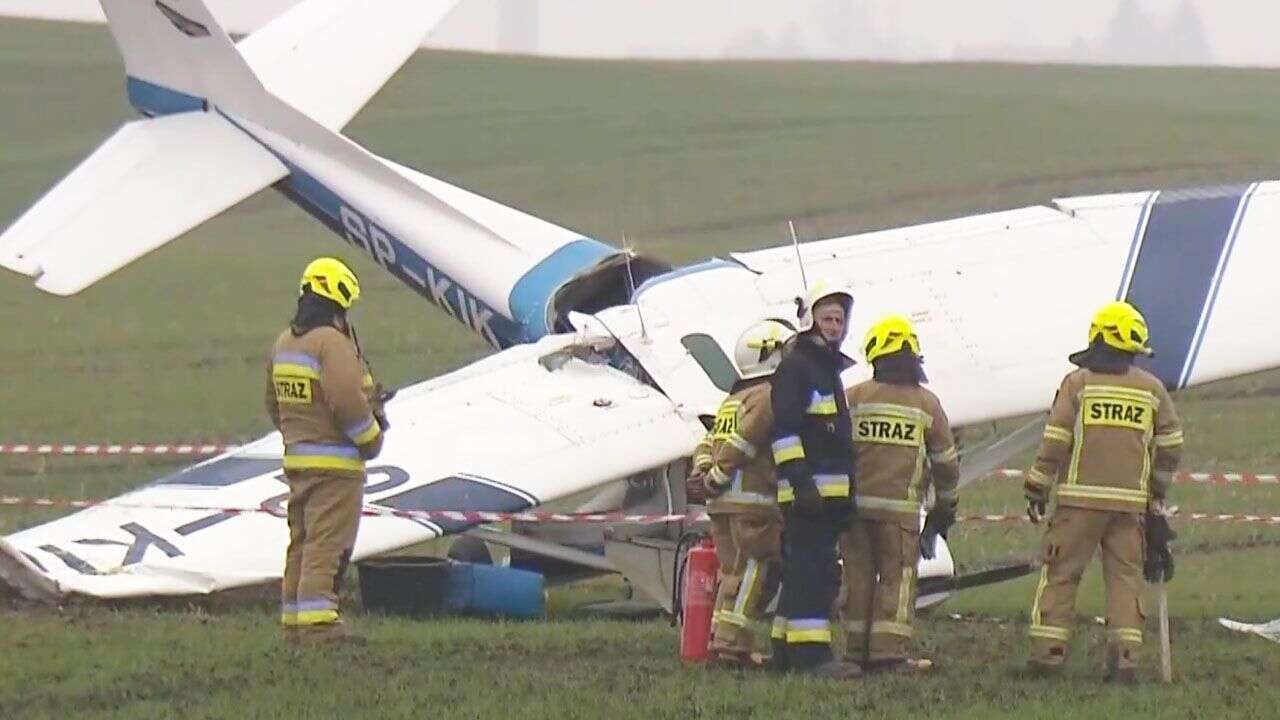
x: 687, y: 160
x: 139, y: 663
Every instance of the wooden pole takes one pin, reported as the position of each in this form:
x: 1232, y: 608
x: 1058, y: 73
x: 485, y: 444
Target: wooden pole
x: 1166, y: 659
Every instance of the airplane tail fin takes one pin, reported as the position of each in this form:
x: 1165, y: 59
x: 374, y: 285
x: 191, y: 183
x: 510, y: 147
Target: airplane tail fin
x: 228, y: 120
x: 157, y: 178
x: 177, y: 57
x: 325, y: 58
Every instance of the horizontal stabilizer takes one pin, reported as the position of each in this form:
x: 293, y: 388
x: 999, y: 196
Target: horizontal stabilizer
x: 150, y: 182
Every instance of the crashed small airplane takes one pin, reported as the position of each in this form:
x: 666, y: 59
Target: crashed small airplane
x: 606, y: 362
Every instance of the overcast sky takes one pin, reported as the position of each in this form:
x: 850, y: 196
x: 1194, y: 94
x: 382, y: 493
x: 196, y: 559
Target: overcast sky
x: 1234, y: 32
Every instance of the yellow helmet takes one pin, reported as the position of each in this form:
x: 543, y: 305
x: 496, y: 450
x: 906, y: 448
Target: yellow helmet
x: 888, y: 336
x: 759, y: 349
x: 1121, y: 326
x: 331, y: 278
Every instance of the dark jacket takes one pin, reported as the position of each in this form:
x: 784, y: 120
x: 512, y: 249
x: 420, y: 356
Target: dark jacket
x: 812, y: 433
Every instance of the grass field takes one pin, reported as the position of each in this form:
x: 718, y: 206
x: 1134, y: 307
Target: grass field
x: 686, y: 160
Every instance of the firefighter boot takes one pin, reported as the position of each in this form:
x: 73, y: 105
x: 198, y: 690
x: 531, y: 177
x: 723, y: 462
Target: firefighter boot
x: 334, y: 633
x: 1120, y: 666
x: 1049, y: 663
x: 733, y: 660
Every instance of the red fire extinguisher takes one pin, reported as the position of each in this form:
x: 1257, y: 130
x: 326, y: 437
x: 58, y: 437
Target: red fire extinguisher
x: 698, y: 599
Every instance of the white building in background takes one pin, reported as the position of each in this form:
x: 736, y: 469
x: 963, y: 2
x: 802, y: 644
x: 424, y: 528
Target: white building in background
x: 518, y: 26
x: 1162, y: 32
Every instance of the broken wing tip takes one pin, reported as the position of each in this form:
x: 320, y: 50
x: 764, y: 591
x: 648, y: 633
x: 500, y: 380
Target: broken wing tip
x: 20, y: 574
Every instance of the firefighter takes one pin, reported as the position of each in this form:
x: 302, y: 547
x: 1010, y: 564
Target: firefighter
x: 741, y: 488
x: 813, y: 450
x: 322, y: 398
x: 903, y: 444
x: 1111, y: 444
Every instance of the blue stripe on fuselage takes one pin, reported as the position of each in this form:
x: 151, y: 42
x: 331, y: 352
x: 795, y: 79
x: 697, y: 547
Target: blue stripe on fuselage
x: 156, y: 100
x: 1183, y: 243
x: 457, y: 493
x: 534, y: 291
x: 704, y: 266
x: 529, y: 297
x: 1217, y: 282
x: 398, y: 259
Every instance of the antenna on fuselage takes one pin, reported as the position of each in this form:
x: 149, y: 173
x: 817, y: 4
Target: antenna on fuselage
x: 804, y: 280
x: 795, y: 242
x: 631, y: 282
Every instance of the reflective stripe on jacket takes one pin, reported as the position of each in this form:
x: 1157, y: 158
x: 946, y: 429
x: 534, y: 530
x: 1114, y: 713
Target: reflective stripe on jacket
x: 317, y: 395
x: 1112, y: 441
x: 903, y: 442
x: 812, y: 443
x: 742, y: 470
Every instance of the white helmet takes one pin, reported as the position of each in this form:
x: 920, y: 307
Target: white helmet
x: 819, y: 292
x: 759, y: 348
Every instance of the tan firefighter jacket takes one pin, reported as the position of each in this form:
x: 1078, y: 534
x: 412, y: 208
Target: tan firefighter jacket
x: 742, y: 477
x: 318, y: 396
x: 1111, y: 442
x: 902, y: 441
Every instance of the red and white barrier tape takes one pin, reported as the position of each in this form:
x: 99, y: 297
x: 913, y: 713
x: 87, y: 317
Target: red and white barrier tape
x: 109, y: 449
x: 1181, y: 515
x: 218, y: 449
x: 468, y: 516
x: 471, y: 516
x: 198, y: 449
x: 1199, y: 478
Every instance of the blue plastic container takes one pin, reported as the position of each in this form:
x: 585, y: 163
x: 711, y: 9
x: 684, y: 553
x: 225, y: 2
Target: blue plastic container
x: 420, y: 587
x: 496, y: 592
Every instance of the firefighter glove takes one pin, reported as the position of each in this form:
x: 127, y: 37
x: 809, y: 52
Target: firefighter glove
x: 1157, y: 565
x: 808, y: 502
x: 1036, y: 509
x: 842, y: 510
x: 1037, y: 501
x: 716, y: 482
x: 936, y: 523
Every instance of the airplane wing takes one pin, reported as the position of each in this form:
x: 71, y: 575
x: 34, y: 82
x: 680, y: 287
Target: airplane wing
x: 1001, y: 299
x: 148, y: 183
x: 524, y: 427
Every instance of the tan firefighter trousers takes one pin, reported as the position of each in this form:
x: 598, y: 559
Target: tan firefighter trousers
x: 324, y: 514
x: 749, y: 548
x: 1074, y: 535
x: 878, y: 595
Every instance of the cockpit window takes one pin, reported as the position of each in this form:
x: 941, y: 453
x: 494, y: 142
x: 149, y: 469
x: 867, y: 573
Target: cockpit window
x: 711, y: 358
